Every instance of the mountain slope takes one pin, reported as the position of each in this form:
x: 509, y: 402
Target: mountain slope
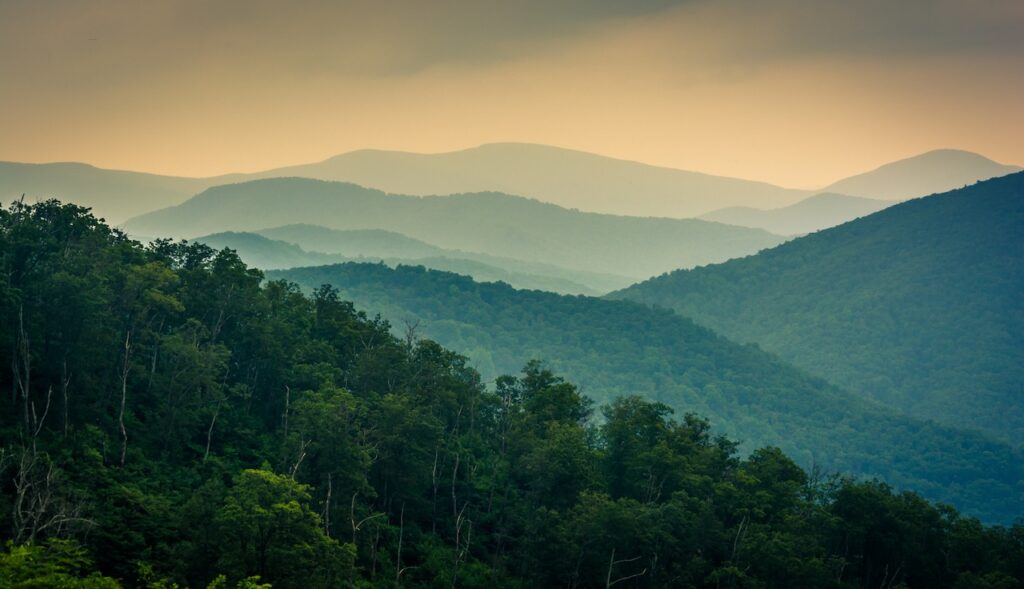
x: 380, y: 245
x: 614, y: 348
x: 270, y: 254
x: 928, y: 173
x: 353, y: 243
x: 267, y: 254
x: 820, y: 211
x: 113, y: 194
x: 569, y: 178
x: 490, y: 223
x: 918, y: 306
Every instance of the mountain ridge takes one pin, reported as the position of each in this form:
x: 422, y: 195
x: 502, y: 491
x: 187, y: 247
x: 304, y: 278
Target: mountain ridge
x: 821, y: 211
x: 611, y: 348
x: 598, y: 183
x: 490, y: 223
x: 917, y: 306
x: 931, y: 172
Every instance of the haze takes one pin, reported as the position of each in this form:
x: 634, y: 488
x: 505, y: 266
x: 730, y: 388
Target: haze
x: 794, y: 93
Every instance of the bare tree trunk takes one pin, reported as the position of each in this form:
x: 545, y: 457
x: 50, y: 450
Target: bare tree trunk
x: 327, y: 505
x: 65, y: 380
x: 21, y: 366
x: 608, y: 582
x: 124, y: 393
x: 209, y: 432
x: 398, y: 554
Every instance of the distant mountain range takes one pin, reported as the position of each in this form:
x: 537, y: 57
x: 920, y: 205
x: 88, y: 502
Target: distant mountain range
x: 380, y: 246
x: 568, y: 178
x: 918, y: 306
x: 565, y: 177
x: 489, y: 223
x: 113, y: 194
x: 820, y: 211
x: 935, y: 171
x: 613, y: 348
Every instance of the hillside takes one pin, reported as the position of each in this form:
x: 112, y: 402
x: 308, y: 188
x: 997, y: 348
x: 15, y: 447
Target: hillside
x: 379, y: 245
x: 935, y: 171
x: 489, y: 223
x: 568, y: 178
x: 270, y: 254
x: 613, y: 348
x: 918, y: 306
x: 820, y: 211
x: 177, y: 421
x: 572, y: 179
x: 353, y: 243
x: 113, y: 194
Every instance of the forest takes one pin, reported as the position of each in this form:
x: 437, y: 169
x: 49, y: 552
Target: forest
x: 610, y: 348
x: 917, y: 307
x: 175, y: 419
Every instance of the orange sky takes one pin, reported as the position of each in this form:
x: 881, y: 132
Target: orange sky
x: 798, y: 93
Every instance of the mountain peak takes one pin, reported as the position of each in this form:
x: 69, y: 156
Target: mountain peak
x: 927, y: 173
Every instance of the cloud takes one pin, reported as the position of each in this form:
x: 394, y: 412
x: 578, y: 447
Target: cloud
x: 394, y: 37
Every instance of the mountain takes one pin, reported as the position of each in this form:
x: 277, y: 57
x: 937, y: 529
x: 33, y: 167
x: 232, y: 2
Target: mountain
x: 490, y: 223
x: 573, y: 179
x: 270, y: 254
x: 387, y: 245
x: 918, y: 306
x: 375, y: 243
x: 820, y: 211
x: 113, y: 194
x: 177, y: 421
x: 569, y: 178
x: 928, y: 173
x: 267, y: 254
x: 613, y: 348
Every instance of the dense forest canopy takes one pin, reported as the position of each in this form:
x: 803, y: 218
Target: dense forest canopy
x: 918, y: 306
x: 611, y: 348
x: 173, y: 419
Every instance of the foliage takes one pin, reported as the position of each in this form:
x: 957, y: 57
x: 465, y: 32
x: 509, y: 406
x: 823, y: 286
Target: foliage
x: 172, y: 421
x: 917, y: 307
x: 612, y: 348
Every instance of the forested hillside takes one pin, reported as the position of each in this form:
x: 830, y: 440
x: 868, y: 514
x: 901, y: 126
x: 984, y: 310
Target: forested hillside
x: 379, y: 244
x: 614, y: 348
x: 174, y: 420
x: 489, y: 223
x: 272, y: 254
x: 918, y: 306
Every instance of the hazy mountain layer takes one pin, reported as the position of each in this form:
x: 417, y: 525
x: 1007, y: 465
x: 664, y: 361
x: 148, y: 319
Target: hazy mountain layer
x: 565, y: 177
x: 820, y: 211
x: 918, y: 306
x: 380, y: 244
x: 921, y: 175
x: 490, y: 223
x: 614, y: 348
x: 112, y: 194
x: 269, y: 254
x: 354, y: 242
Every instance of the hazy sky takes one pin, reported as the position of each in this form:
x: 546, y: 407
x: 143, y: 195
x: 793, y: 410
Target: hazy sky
x: 793, y: 92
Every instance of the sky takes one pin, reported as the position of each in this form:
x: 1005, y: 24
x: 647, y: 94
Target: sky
x: 793, y: 92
